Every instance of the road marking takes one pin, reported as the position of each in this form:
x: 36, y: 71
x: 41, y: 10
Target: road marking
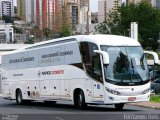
x: 58, y: 118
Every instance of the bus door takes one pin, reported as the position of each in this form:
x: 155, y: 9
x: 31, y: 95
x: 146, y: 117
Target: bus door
x: 98, y: 87
x: 92, y: 64
x: 89, y: 89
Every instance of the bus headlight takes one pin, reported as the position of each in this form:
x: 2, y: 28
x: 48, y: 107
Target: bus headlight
x: 114, y: 92
x: 146, y: 91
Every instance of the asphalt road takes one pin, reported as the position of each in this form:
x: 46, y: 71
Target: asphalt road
x: 9, y: 110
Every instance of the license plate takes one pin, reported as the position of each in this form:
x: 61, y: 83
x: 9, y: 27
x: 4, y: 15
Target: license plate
x: 131, y: 98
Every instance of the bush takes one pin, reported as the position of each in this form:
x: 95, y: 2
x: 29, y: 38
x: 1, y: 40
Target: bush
x: 155, y: 98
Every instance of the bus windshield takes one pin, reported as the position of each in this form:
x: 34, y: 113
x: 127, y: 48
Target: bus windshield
x: 127, y: 66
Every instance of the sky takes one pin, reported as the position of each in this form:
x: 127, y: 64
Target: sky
x: 94, y: 5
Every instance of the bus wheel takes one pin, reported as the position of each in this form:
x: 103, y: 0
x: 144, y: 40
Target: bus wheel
x: 19, y: 98
x: 119, y: 106
x: 81, y: 100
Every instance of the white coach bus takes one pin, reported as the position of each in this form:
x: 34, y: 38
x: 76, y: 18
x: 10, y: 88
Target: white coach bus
x: 87, y: 69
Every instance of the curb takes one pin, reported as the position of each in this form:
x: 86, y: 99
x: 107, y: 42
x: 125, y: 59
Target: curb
x: 145, y: 106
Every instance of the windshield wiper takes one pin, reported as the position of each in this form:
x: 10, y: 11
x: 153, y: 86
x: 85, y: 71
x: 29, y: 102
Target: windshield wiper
x: 134, y: 72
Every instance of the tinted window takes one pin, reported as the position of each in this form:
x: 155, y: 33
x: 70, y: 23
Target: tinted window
x: 91, y: 60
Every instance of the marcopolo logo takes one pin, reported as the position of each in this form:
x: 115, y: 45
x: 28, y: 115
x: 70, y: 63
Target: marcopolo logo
x: 46, y: 73
x: 39, y: 73
x: 43, y: 73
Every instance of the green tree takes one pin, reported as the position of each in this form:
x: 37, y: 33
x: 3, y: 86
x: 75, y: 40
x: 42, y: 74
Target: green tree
x: 7, y: 19
x: 65, y: 32
x: 47, y: 32
x: 17, y: 29
x: 147, y: 17
x: 30, y: 40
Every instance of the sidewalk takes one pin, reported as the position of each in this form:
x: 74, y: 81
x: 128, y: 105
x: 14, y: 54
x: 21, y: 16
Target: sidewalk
x: 154, y: 105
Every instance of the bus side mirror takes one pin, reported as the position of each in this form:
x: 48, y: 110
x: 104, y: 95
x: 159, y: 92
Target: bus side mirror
x: 155, y: 57
x: 105, y: 56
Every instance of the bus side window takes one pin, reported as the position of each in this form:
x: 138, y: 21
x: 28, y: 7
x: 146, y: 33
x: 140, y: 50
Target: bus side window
x: 91, y: 60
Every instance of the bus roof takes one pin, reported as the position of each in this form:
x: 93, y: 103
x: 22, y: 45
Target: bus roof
x: 110, y: 40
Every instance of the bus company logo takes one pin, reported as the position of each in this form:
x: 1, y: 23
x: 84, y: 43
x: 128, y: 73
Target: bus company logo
x: 45, y: 73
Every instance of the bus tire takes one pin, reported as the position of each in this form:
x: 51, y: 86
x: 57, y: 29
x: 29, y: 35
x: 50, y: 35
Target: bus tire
x: 80, y: 100
x: 119, y: 106
x: 19, y: 97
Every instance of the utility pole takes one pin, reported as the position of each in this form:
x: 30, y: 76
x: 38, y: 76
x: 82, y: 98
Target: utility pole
x: 134, y: 30
x: 87, y: 26
x: 105, y: 11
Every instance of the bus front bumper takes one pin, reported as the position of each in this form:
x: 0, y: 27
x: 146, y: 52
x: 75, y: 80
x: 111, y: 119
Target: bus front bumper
x: 114, y: 99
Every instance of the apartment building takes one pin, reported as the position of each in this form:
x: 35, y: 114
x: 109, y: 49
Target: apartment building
x: 71, y: 13
x: 133, y: 1
x: 106, y: 6
x: 54, y: 14
x: 84, y: 12
x: 6, y: 8
x: 154, y: 3
x: 158, y: 4
x: 21, y: 9
x: 26, y: 10
x: 48, y: 14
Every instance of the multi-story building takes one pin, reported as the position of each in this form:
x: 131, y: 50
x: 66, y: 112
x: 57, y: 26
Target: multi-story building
x: 71, y: 13
x: 44, y: 13
x: 154, y: 3
x: 30, y: 13
x: 57, y: 15
x: 105, y: 7
x: 158, y: 4
x: 133, y: 1
x: 26, y: 10
x: 21, y: 9
x: 6, y: 8
x: 54, y: 14
x: 84, y: 12
x: 48, y: 14
x: 101, y: 11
